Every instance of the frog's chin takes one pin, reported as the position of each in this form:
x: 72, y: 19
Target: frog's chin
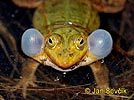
x: 83, y: 62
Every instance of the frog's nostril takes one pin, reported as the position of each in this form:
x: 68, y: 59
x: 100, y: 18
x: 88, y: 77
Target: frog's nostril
x: 64, y: 50
x: 71, y: 55
x: 59, y: 54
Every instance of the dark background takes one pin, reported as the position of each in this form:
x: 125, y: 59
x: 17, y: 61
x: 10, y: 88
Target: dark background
x: 120, y: 61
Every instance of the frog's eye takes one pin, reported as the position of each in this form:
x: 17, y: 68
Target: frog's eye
x: 79, y: 42
x: 53, y: 40
x: 100, y: 43
x: 32, y: 42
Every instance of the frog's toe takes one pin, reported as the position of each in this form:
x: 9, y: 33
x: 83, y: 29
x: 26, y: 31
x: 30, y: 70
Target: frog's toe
x: 23, y: 84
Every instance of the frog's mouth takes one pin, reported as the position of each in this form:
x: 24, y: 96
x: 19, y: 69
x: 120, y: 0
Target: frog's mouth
x: 83, y: 62
x: 55, y: 66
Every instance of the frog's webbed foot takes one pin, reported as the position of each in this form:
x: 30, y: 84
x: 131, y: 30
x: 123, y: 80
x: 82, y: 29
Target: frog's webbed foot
x: 28, y: 69
x: 23, y: 84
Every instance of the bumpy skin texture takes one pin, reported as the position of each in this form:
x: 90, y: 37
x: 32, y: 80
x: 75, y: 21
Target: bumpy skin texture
x: 27, y: 3
x: 109, y: 6
x: 65, y: 25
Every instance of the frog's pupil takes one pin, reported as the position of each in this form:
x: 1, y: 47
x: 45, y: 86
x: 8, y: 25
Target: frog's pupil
x: 82, y: 41
x: 50, y: 41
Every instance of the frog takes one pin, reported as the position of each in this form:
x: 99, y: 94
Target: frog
x: 65, y: 36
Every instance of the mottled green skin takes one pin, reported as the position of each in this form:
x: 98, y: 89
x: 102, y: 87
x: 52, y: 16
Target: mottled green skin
x: 79, y: 12
x: 65, y: 25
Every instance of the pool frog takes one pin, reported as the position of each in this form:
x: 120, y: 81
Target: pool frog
x: 66, y: 36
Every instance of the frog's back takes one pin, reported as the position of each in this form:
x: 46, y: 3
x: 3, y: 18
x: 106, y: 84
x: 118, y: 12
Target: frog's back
x: 77, y: 12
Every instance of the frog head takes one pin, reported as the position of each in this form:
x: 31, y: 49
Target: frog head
x: 66, y: 47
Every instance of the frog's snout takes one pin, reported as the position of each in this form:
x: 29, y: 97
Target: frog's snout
x: 65, y: 57
x: 65, y: 60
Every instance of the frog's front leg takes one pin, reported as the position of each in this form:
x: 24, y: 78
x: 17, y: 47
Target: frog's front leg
x: 101, y: 74
x: 28, y: 70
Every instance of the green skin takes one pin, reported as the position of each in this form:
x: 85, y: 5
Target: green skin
x: 65, y: 25
x: 79, y: 12
x: 69, y: 20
